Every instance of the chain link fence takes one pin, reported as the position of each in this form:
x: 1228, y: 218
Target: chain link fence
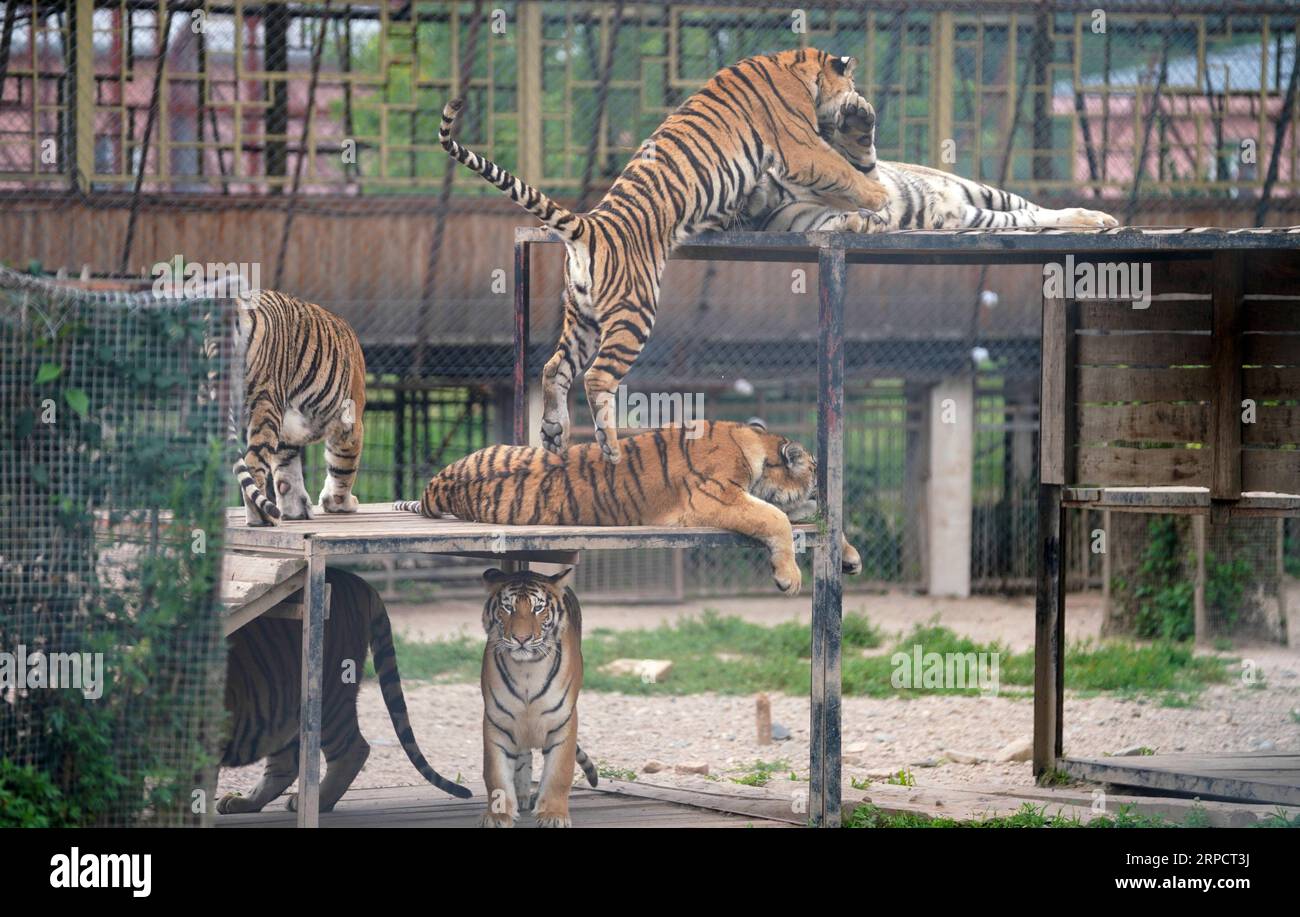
x: 114, y: 467
x: 297, y: 142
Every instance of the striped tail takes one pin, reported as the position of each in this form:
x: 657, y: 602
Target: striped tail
x: 565, y: 222
x: 430, y: 503
x: 390, y: 686
x: 406, y: 506
x: 587, y: 766
x: 248, y: 487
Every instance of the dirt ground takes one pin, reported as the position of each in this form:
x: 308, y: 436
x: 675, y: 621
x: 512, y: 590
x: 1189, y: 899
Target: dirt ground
x: 880, y: 736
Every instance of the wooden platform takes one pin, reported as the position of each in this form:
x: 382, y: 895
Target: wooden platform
x: 377, y: 529
x: 1259, y: 777
x: 425, y: 807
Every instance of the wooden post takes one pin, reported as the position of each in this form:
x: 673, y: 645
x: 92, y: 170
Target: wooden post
x: 521, y: 425
x: 763, y: 719
x: 824, y: 764
x: 948, y: 486
x: 313, y: 663
x: 942, y: 88
x: 1201, y: 619
x: 1225, y: 367
x: 84, y: 95
x: 528, y: 40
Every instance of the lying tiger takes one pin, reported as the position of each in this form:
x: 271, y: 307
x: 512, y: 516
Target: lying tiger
x: 263, y: 691
x: 916, y: 197
x: 532, y: 673
x: 731, y: 475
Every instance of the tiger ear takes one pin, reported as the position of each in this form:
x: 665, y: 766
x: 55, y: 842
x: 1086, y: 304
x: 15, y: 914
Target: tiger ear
x: 758, y: 424
x: 793, y: 454
x: 492, y: 578
x: 562, y: 580
x: 843, y: 66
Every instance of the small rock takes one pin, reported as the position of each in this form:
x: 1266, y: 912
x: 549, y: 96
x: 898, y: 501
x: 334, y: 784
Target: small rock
x: 650, y: 671
x: 963, y: 757
x: 780, y: 733
x: 924, y: 762
x: 856, y: 748
x: 653, y: 767
x: 1132, y: 751
x: 1264, y: 745
x: 692, y: 767
x: 885, y: 737
x: 1021, y: 749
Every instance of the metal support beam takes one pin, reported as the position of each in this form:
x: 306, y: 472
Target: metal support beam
x: 313, y: 662
x: 824, y: 763
x: 522, y: 252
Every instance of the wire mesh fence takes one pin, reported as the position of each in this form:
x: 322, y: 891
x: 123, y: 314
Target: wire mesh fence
x: 299, y: 140
x: 113, y: 471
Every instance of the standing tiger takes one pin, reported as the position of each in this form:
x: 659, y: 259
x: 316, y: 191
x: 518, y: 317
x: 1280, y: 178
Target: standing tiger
x: 917, y: 197
x: 532, y: 673
x: 763, y: 115
x: 731, y: 475
x: 304, y: 381
x: 263, y: 697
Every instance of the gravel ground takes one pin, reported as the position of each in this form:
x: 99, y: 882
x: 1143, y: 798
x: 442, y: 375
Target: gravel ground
x: 624, y: 733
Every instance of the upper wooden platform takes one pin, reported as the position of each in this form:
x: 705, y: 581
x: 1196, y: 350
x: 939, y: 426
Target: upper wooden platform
x: 377, y: 529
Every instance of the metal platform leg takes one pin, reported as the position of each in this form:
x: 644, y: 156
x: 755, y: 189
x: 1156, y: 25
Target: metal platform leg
x: 1049, y: 631
x: 520, y: 418
x: 824, y: 764
x: 313, y: 652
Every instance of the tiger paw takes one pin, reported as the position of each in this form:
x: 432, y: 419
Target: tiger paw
x: 609, y: 446
x: 291, y: 803
x: 554, y: 820
x: 338, y: 503
x: 857, y: 116
x: 233, y: 804
x: 555, y: 437
x: 851, y: 561
x: 788, y: 578
x: 491, y: 820
x: 1089, y: 219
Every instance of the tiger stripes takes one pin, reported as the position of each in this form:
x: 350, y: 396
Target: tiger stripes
x: 917, y: 197
x: 263, y: 691
x: 731, y: 475
x: 304, y: 381
x: 531, y: 678
x: 764, y: 115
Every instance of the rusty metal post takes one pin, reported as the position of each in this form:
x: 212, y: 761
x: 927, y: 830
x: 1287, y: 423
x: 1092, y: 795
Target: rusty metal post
x: 520, y: 416
x: 824, y: 763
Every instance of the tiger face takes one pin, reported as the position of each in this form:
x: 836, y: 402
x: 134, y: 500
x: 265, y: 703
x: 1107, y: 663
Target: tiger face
x: 522, y: 615
x: 789, y: 479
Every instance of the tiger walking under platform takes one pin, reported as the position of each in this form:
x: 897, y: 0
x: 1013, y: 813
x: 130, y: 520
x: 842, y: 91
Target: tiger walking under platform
x: 264, y: 691
x: 730, y: 475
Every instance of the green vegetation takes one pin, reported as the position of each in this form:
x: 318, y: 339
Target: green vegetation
x: 760, y: 773
x: 730, y: 656
x: 1028, y: 816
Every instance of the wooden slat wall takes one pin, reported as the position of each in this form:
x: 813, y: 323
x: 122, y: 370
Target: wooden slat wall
x: 1271, y: 352
x: 1144, y: 387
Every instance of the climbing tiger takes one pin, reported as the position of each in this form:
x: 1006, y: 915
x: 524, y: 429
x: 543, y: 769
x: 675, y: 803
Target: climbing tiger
x: 304, y: 381
x: 763, y: 115
x: 532, y: 673
x: 731, y: 475
x: 917, y: 197
x: 263, y: 691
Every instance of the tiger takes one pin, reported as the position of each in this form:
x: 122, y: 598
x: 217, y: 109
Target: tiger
x: 532, y: 673
x: 763, y: 115
x: 918, y: 197
x: 735, y: 476
x: 263, y: 696
x: 304, y: 381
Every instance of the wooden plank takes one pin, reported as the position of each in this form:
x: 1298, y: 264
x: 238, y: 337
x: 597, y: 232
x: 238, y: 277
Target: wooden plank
x: 1271, y: 349
x: 1049, y: 628
x: 1267, y: 778
x: 1159, y: 422
x: 1269, y: 384
x: 1053, y: 394
x: 312, y: 687
x: 1274, y: 425
x: 1139, y: 349
x: 1114, y: 465
x: 1277, y: 471
x: 1162, y: 315
x: 259, y: 568
x: 241, y: 611
x: 1272, y: 272
x: 1123, y: 384
x: 1276, y: 315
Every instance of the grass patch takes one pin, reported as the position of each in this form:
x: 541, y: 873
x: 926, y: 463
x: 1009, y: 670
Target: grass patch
x: 1027, y: 816
x: 761, y: 772
x: 728, y: 655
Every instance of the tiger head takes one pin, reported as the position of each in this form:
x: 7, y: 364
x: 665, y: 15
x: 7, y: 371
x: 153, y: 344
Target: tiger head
x: 524, y: 613
x: 830, y: 79
x: 788, y: 478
